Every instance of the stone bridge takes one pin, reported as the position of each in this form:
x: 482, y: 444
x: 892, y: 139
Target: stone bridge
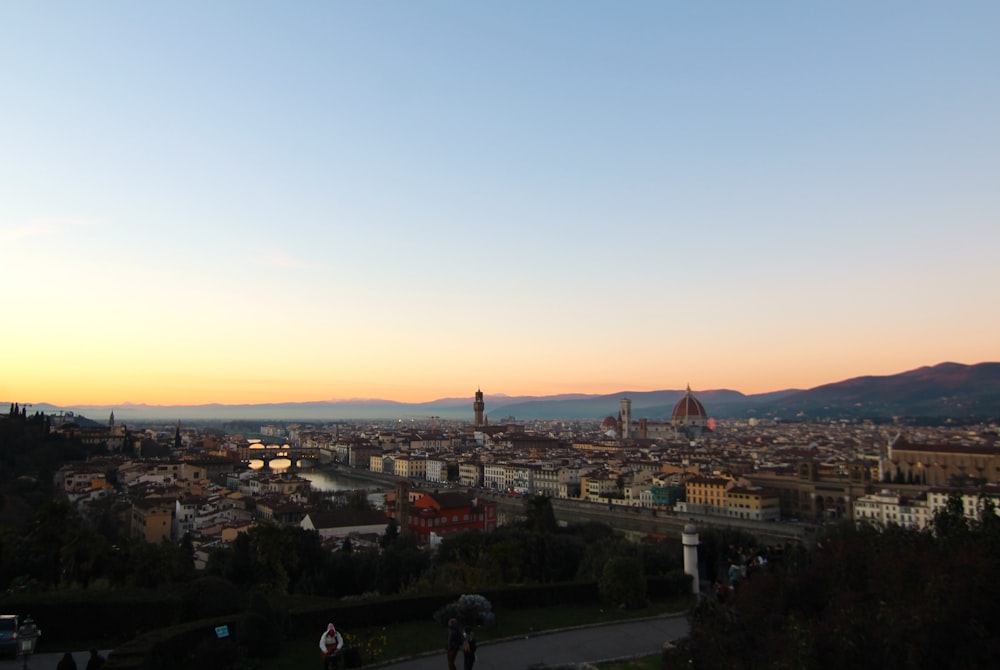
x: 293, y: 453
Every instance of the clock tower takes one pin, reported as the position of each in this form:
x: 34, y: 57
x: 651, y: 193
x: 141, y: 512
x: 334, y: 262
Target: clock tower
x: 478, y: 406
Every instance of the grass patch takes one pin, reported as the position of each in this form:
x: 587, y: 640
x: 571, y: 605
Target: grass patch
x: 417, y: 637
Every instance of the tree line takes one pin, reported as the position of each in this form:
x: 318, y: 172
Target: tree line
x: 867, y: 596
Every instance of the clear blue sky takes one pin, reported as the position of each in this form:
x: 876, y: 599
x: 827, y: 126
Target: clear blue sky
x: 238, y: 201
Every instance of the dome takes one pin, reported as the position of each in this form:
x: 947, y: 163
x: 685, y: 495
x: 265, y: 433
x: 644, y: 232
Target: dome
x: 610, y: 422
x: 689, y: 407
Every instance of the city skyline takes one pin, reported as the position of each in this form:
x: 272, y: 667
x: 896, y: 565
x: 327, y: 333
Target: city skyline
x: 242, y: 203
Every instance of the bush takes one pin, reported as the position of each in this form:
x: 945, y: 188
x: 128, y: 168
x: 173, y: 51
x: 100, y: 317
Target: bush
x: 263, y: 628
x: 208, y: 597
x: 622, y: 582
x: 469, y: 609
x: 213, y: 654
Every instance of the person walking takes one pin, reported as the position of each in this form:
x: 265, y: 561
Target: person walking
x: 95, y: 662
x: 469, y: 648
x: 454, y: 642
x: 330, y: 645
x: 66, y: 662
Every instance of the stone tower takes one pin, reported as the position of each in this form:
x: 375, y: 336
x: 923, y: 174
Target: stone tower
x: 479, y: 406
x: 625, y: 418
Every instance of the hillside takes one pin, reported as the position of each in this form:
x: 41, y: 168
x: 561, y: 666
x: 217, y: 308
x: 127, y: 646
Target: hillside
x: 944, y: 390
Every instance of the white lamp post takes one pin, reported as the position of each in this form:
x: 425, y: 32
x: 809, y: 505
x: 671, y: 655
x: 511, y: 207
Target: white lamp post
x: 27, y: 638
x: 689, y: 538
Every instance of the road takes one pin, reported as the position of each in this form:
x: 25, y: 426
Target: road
x: 585, y: 644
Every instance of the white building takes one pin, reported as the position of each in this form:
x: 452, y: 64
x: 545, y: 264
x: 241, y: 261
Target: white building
x: 495, y: 476
x: 437, y: 470
x: 891, y: 507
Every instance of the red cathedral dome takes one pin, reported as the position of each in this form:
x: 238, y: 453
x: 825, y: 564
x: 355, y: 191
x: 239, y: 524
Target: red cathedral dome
x: 688, y: 408
x: 610, y: 422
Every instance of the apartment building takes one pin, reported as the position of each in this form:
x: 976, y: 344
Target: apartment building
x: 152, y: 519
x: 706, y: 495
x: 752, y: 502
x: 470, y: 473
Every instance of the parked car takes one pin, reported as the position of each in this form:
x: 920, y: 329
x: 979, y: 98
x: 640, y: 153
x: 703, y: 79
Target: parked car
x: 8, y: 634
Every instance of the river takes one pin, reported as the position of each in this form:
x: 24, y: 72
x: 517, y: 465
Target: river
x: 327, y: 480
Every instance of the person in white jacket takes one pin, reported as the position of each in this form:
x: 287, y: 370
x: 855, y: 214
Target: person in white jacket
x: 331, y: 645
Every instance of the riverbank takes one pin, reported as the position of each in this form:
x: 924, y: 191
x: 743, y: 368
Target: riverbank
x: 384, y: 481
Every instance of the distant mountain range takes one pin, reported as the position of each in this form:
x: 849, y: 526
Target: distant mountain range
x: 944, y: 390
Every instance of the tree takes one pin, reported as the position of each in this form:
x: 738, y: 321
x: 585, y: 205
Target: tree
x: 400, y: 564
x: 989, y: 520
x: 207, y: 597
x: 83, y: 557
x: 274, y: 550
x: 622, y: 582
x: 563, y: 553
x: 152, y: 565
x: 541, y: 516
x: 464, y: 548
x: 185, y: 559
x: 866, y: 597
x: 598, y: 553
x: 950, y: 523
x: 503, y: 560
x: 358, y: 500
x: 54, y: 525
x: 391, y: 534
x: 470, y: 609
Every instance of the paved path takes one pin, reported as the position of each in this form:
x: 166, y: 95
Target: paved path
x: 588, y: 644
x: 48, y: 661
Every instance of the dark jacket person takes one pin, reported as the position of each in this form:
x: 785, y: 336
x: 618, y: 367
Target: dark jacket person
x: 454, y: 642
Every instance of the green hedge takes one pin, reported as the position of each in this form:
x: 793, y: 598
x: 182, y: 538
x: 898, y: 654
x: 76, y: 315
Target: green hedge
x: 676, y: 583
x: 104, y: 618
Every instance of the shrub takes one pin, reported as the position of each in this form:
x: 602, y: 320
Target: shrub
x: 470, y: 609
x: 622, y: 582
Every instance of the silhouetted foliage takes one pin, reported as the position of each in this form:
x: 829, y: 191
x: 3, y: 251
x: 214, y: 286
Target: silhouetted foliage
x: 358, y: 500
x: 207, y: 597
x: 391, y: 533
x: 400, y: 564
x: 622, y: 582
x: 541, y: 518
x: 263, y: 629
x: 470, y: 609
x: 867, y: 597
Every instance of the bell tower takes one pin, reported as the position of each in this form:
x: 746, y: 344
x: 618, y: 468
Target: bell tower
x: 625, y: 418
x: 478, y: 407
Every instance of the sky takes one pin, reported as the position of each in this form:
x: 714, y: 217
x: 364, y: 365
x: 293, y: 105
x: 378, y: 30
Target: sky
x: 248, y: 202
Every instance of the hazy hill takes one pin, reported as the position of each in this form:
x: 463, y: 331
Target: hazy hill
x: 944, y: 390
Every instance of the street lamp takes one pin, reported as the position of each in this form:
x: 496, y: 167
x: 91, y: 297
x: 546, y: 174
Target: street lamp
x: 27, y: 638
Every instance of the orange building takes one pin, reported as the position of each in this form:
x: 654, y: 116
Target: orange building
x: 152, y: 519
x: 706, y: 495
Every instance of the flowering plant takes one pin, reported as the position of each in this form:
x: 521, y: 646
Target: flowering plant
x: 371, y: 644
